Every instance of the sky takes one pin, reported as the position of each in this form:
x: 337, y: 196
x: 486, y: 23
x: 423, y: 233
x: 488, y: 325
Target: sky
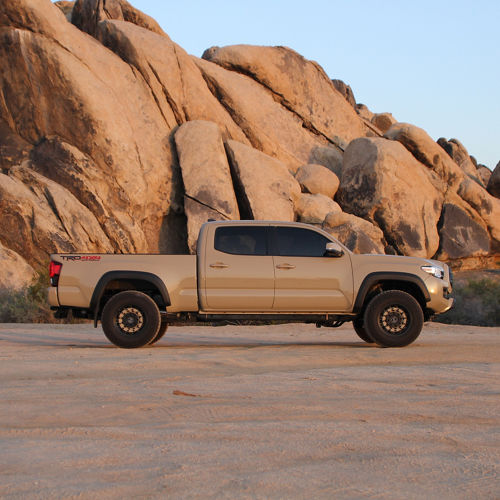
x: 435, y: 64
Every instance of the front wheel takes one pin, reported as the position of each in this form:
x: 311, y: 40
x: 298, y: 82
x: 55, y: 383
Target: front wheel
x: 131, y: 319
x: 393, y: 319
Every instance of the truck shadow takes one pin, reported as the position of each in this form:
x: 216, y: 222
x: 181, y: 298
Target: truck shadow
x: 31, y: 340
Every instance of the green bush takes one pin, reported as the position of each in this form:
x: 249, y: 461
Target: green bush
x: 27, y: 305
x: 477, y: 302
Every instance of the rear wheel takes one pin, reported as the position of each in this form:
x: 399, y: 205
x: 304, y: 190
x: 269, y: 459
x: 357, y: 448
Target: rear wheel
x: 131, y: 319
x: 359, y: 328
x: 393, y: 319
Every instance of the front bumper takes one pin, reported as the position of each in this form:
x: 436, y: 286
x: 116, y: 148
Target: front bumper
x: 440, y: 291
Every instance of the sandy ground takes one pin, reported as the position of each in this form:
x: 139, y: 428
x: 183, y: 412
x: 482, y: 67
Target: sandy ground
x: 286, y: 411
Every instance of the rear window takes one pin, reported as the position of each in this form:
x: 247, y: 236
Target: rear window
x: 241, y: 240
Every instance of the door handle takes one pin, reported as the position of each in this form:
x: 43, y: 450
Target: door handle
x: 285, y: 266
x: 219, y: 265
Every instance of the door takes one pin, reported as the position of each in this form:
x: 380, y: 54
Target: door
x: 239, y: 270
x: 305, y: 279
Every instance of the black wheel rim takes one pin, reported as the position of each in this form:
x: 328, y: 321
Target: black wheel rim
x: 394, y: 320
x: 130, y: 320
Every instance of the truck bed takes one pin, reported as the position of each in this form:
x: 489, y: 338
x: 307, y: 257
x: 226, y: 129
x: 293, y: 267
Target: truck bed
x: 81, y: 274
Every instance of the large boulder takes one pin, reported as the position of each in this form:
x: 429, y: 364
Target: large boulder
x: 494, y: 182
x: 313, y: 208
x: 462, y: 232
x: 265, y: 188
x: 269, y: 126
x: 206, y: 175
x: 358, y: 235
x: 382, y: 182
x: 316, y: 179
x: 87, y: 14
x: 298, y: 84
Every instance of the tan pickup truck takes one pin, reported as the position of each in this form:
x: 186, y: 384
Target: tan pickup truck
x: 252, y: 271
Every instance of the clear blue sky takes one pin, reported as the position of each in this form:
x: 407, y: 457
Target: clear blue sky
x: 435, y: 64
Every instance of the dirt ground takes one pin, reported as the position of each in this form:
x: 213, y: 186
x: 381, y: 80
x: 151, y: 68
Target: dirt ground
x: 286, y: 411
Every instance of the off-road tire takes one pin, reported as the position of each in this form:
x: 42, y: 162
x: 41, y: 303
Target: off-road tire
x: 161, y: 332
x: 393, y: 319
x: 130, y: 319
x: 359, y: 328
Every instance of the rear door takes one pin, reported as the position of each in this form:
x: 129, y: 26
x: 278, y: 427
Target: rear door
x: 239, y: 271
x: 305, y: 279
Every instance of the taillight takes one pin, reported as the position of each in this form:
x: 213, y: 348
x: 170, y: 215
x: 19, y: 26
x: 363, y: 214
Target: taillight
x: 54, y: 272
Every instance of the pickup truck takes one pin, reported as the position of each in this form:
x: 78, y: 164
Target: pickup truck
x: 252, y: 272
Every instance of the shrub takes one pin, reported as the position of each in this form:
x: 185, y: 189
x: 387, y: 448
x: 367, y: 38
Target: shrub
x: 27, y: 305
x: 477, y: 302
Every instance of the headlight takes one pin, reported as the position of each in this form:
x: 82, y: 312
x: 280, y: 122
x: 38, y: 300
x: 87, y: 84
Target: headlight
x: 437, y: 272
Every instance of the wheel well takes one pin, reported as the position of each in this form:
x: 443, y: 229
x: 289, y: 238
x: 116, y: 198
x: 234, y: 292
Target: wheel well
x: 383, y: 286
x: 139, y: 285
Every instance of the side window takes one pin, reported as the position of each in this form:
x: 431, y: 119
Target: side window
x: 241, y: 240
x: 299, y: 242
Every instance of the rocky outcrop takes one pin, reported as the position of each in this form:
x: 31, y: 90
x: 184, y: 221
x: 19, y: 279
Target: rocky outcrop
x: 122, y: 142
x: 316, y: 179
x: 206, y: 175
x: 382, y: 182
x: 63, y: 84
x: 264, y: 186
x: 313, y: 208
x: 494, y: 182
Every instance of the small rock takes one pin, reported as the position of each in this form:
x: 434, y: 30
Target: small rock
x: 316, y: 179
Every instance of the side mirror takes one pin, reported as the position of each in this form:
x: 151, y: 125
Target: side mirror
x: 333, y: 250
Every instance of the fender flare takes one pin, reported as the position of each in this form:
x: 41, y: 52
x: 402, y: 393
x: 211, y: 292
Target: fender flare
x: 106, y: 278
x: 374, y: 278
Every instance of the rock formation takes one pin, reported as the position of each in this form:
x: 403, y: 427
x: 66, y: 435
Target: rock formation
x: 122, y: 142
